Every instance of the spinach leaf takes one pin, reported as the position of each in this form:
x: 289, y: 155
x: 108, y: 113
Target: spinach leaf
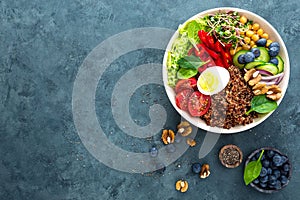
x: 186, y: 73
x: 252, y: 170
x: 262, y: 104
x: 191, y: 62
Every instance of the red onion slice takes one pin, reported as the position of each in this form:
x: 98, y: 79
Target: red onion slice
x: 266, y: 78
x: 264, y: 72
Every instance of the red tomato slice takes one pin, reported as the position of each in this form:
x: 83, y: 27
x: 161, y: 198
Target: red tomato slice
x: 198, y: 104
x: 184, y: 84
x: 182, y: 99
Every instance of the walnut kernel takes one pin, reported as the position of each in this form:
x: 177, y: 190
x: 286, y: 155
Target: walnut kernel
x: 181, y: 185
x: 168, y: 136
x: 205, y: 171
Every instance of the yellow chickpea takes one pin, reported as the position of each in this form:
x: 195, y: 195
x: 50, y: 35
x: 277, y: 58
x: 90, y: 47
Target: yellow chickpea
x: 243, y: 19
x: 255, y: 37
x: 265, y: 35
x: 255, y: 26
x: 250, y: 27
x: 260, y: 32
x: 268, y: 42
x: 247, y: 40
x: 238, y: 48
x: 249, y: 34
x: 254, y: 46
x: 246, y: 47
x: 252, y: 43
x: 232, y: 51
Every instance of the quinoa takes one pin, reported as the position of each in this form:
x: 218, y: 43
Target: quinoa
x: 229, y: 106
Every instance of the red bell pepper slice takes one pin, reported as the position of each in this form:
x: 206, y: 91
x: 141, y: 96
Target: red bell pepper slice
x: 213, y: 54
x: 191, y: 51
x: 218, y: 47
x: 202, y: 37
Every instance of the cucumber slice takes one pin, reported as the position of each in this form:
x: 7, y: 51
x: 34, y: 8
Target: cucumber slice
x: 253, y: 64
x: 280, y: 65
x: 264, y: 55
x: 268, y: 67
x: 235, y: 58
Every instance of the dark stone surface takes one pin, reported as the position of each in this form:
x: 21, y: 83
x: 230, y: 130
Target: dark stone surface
x: 42, y: 45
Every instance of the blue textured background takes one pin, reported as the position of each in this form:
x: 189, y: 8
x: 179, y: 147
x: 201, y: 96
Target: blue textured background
x: 42, y: 45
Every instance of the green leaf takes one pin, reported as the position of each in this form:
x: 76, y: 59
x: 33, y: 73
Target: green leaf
x: 186, y: 73
x: 262, y: 104
x: 191, y: 62
x: 252, y: 170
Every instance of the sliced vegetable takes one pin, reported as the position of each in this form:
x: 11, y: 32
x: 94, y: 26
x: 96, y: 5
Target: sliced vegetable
x: 253, y: 64
x: 184, y: 84
x: 182, y: 99
x: 280, y: 65
x: 262, y: 104
x: 268, y: 67
x: 264, y: 55
x: 198, y: 104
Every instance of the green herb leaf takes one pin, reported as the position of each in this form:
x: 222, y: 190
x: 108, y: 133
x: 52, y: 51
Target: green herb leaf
x: 186, y: 73
x: 262, y: 104
x: 191, y: 62
x: 252, y: 170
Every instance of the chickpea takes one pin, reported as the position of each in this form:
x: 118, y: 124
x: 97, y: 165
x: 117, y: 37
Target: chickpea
x: 255, y: 37
x: 243, y: 19
x: 252, y: 43
x: 265, y: 35
x: 254, y: 46
x: 255, y: 26
x: 268, y: 42
x: 246, y: 47
x: 249, y: 34
x: 238, y: 48
x: 232, y: 51
x: 247, y: 40
x: 250, y: 27
x: 260, y: 32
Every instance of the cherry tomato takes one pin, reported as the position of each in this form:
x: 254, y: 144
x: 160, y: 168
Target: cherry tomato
x: 198, y: 104
x: 182, y: 99
x: 183, y: 84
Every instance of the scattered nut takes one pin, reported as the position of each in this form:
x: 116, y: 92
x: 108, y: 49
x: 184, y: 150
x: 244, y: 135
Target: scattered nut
x: 205, y: 172
x: 184, y: 128
x: 274, y: 92
x: 249, y: 74
x: 168, y: 136
x: 182, y: 185
x: 255, y: 80
x: 191, y: 142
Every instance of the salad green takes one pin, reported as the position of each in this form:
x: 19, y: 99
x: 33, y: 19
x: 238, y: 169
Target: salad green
x: 262, y: 104
x: 253, y: 169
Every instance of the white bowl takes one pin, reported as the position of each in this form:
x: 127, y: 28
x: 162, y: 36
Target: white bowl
x: 273, y: 35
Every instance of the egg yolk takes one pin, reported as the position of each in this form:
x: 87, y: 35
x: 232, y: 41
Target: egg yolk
x: 208, y: 81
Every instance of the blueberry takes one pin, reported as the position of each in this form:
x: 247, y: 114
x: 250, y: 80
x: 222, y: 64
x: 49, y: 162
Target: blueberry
x: 270, y: 153
x: 269, y: 170
x: 272, y: 182
x: 274, y: 44
x: 263, y: 185
x: 277, y: 185
x: 277, y: 160
x: 241, y: 59
x: 263, y: 172
x: 249, y: 57
x: 266, y: 163
x: 284, y: 173
x: 283, y: 180
x: 273, y: 51
x: 256, y: 52
x: 263, y: 179
x: 276, y: 173
x: 253, y: 158
x: 196, y: 168
x: 284, y: 159
x: 272, y: 177
x: 274, y: 61
x: 153, y: 152
x: 261, y: 42
x: 286, y: 167
x: 256, y: 181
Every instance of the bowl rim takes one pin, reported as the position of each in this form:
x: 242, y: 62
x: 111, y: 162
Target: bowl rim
x: 277, y: 151
x: 239, y: 128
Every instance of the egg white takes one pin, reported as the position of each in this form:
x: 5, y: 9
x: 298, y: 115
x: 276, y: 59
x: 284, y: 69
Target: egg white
x: 213, y: 80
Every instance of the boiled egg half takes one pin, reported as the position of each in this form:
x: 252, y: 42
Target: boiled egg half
x: 213, y: 80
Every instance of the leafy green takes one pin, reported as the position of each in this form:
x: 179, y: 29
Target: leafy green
x: 191, y: 62
x: 186, y: 73
x: 252, y: 170
x: 262, y: 104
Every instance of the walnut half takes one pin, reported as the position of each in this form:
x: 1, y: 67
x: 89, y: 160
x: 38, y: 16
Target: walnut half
x: 182, y: 185
x: 274, y: 92
x: 205, y: 171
